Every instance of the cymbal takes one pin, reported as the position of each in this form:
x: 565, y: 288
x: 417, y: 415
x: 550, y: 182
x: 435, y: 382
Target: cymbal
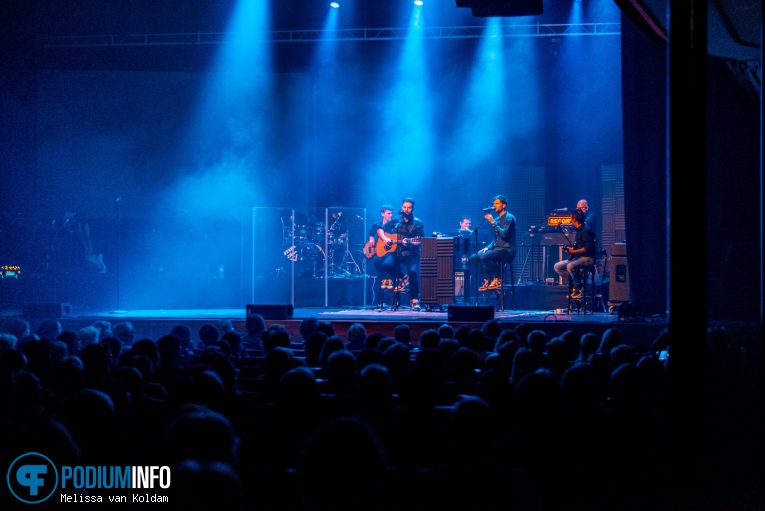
x: 286, y: 216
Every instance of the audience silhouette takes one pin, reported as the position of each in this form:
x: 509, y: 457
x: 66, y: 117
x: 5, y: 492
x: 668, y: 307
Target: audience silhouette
x: 492, y: 418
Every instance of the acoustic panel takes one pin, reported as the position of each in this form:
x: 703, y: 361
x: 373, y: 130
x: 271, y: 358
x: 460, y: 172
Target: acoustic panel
x: 437, y: 271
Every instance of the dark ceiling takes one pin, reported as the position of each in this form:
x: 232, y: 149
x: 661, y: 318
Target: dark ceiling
x: 734, y: 26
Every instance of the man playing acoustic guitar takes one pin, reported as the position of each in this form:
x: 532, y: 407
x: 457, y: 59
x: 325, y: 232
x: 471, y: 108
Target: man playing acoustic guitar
x: 399, y: 244
x: 386, y: 213
x: 581, y: 254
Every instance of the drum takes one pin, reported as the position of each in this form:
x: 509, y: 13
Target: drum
x: 302, y: 232
x: 319, y: 232
x: 310, y: 251
x: 309, y: 257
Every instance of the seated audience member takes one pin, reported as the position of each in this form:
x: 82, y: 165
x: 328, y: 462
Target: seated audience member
x: 373, y: 340
x: 183, y: 333
x: 588, y: 345
x: 89, y: 415
x: 446, y: 331
x: 223, y: 326
x: 610, y: 339
x: 49, y: 329
x: 125, y: 333
x: 234, y: 339
x: 276, y: 337
x: 429, y: 339
x: 17, y: 327
x: 113, y: 346
x: 312, y: 348
x: 255, y: 325
x: 7, y: 341
x: 327, y: 327
x: 331, y: 345
x: 170, y: 371
x: 357, y: 336
x: 200, y: 433
x: 190, y: 475
x: 403, y: 334
x: 327, y: 454
x: 525, y: 361
x: 88, y: 335
x: 104, y: 329
x: 71, y: 340
x: 208, y: 336
x: 307, y: 327
x: 341, y: 374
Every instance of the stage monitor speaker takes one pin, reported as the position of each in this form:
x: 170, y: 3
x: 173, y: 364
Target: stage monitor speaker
x: 471, y: 312
x: 271, y: 311
x: 48, y: 310
x: 619, y: 285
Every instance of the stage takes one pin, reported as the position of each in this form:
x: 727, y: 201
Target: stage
x: 153, y: 323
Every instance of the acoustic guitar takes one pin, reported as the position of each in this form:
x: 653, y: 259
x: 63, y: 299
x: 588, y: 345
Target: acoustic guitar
x: 383, y: 249
x: 369, y: 249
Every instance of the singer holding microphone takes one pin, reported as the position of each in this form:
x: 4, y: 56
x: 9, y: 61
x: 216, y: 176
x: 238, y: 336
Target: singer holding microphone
x: 502, y: 248
x: 401, y: 239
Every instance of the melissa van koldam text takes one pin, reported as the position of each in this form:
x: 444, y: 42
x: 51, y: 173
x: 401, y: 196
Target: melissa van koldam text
x: 135, y: 498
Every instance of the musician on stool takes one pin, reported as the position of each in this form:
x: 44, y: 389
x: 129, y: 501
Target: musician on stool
x: 580, y: 255
x: 502, y: 248
x: 590, y: 218
x: 403, y: 236
x: 465, y: 223
x: 386, y: 213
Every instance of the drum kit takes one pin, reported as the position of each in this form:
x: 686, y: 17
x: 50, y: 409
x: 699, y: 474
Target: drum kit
x: 309, y: 246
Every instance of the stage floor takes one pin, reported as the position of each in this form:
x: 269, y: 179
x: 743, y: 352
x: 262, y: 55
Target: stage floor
x: 153, y: 323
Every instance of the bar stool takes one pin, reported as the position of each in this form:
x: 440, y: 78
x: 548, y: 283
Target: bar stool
x: 587, y: 299
x: 390, y: 295
x: 505, y: 267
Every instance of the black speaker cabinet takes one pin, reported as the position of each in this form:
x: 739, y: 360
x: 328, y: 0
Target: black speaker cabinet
x: 619, y: 285
x: 271, y: 311
x: 471, y: 312
x: 48, y: 310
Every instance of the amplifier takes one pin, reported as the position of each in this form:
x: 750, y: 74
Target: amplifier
x: 10, y: 271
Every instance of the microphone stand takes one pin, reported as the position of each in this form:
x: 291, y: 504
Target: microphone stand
x: 475, y: 256
x: 397, y: 257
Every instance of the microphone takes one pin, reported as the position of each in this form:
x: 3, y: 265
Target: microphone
x: 490, y: 208
x: 560, y: 210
